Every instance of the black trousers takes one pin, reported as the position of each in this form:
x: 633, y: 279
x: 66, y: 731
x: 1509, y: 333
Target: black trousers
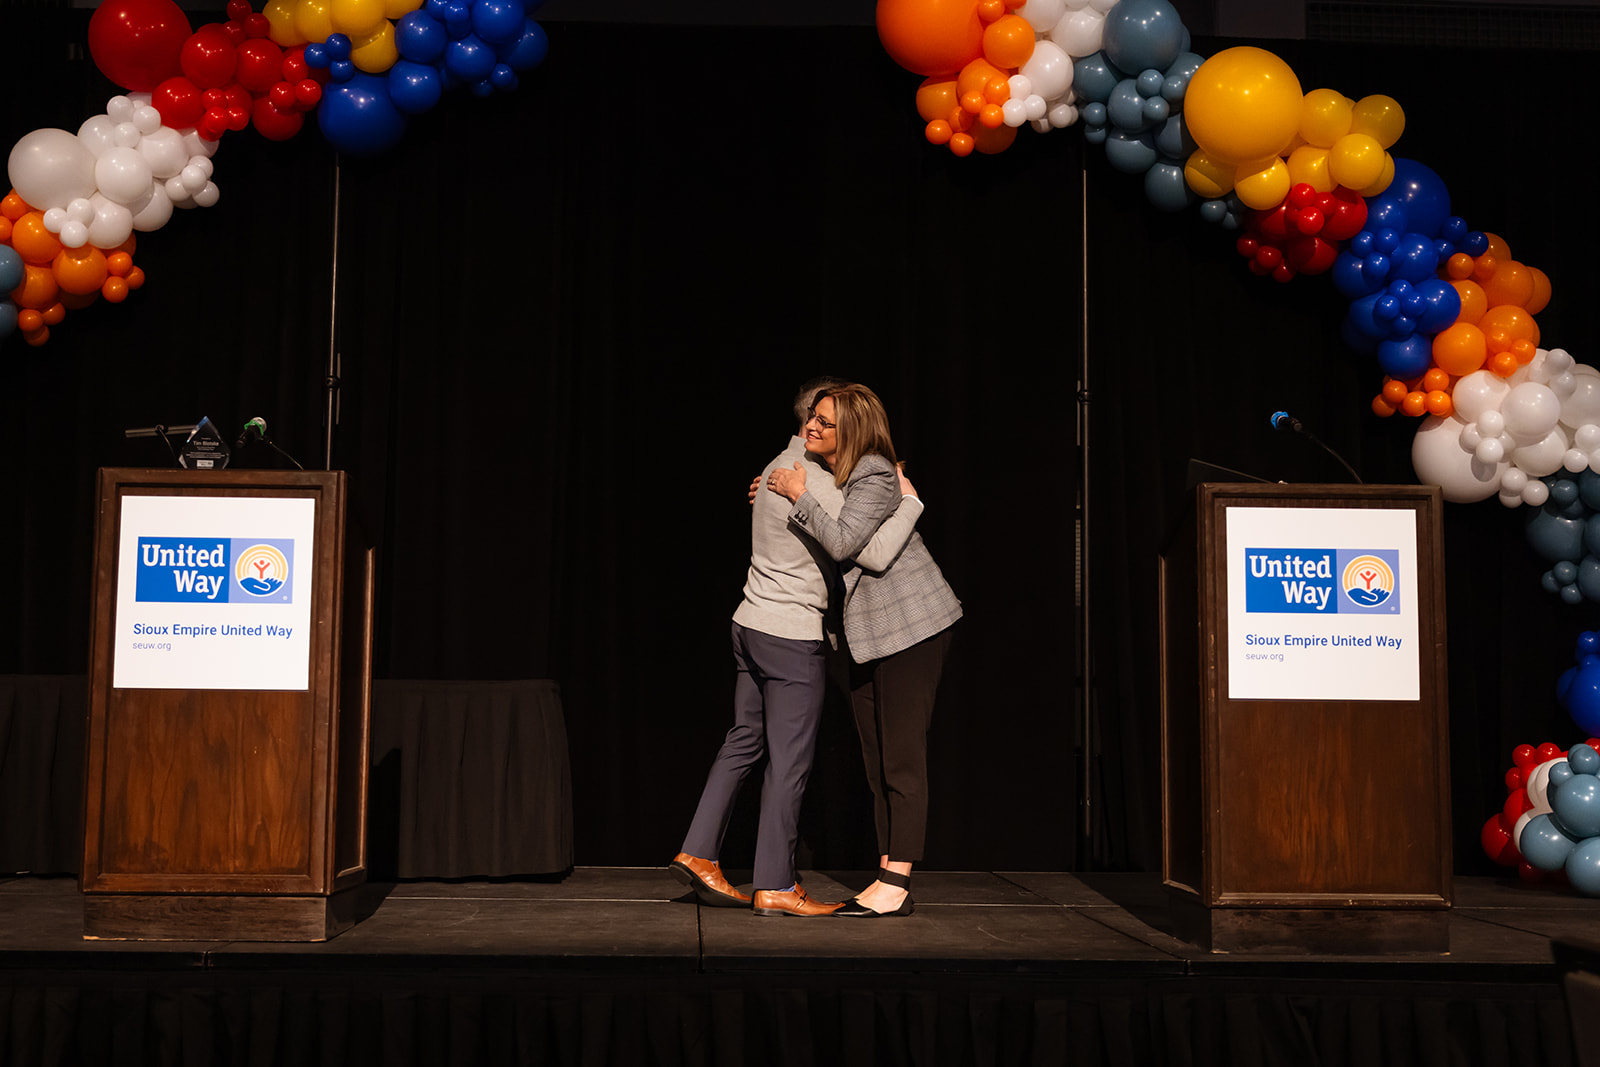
x: 893, y: 702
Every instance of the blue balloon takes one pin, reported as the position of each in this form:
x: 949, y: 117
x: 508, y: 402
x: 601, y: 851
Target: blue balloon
x: 1583, y: 759
x: 1165, y: 188
x: 1423, y: 195
x: 1410, y: 358
x: 1441, y: 305
x: 420, y: 37
x: 358, y: 118
x: 1588, y: 645
x: 1093, y: 78
x: 497, y: 21
x: 1582, y: 699
x: 527, y: 51
x: 1415, y: 258
x: 1554, y: 537
x: 1544, y: 845
x: 1175, y: 85
x: 1125, y: 106
x: 1577, y: 804
x: 1583, y: 867
x: 414, y: 87
x: 1143, y: 34
x: 1349, y: 277
x: 11, y: 269
x: 469, y: 59
x: 1173, y: 140
x: 1131, y: 153
x: 503, y: 78
x: 1560, y: 774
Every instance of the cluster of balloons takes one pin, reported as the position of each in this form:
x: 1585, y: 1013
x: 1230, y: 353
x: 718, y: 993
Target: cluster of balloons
x: 1550, y: 824
x: 67, y: 229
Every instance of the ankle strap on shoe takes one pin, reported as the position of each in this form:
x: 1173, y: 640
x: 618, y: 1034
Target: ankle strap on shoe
x: 888, y: 877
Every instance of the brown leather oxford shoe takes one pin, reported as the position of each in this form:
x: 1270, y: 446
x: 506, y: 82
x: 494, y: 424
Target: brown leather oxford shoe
x: 791, y: 902
x: 705, y: 878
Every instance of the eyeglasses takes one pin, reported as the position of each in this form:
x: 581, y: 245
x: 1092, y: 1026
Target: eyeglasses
x: 821, y: 422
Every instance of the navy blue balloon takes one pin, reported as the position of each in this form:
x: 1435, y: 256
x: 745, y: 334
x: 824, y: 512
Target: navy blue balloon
x: 1363, y: 317
x: 1555, y: 537
x: 420, y: 37
x: 1441, y: 305
x: 358, y: 118
x: 1143, y: 34
x: 1173, y: 140
x: 527, y: 51
x: 1386, y: 214
x: 1588, y: 645
x: 414, y: 87
x: 1582, y: 699
x: 496, y: 21
x: 469, y: 59
x: 1422, y: 193
x: 1175, y: 85
x: 503, y: 78
x: 11, y: 269
x: 1409, y: 358
x: 1165, y: 188
x: 1415, y: 258
x: 1131, y: 153
x: 1544, y: 845
x: 1348, y: 276
x: 1576, y: 804
x: 1125, y: 106
x: 1093, y: 78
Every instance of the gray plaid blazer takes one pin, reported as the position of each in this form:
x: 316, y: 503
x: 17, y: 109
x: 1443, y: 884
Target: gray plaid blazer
x: 892, y: 609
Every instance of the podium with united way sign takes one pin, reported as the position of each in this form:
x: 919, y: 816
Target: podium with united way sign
x: 230, y: 667
x: 1305, y: 757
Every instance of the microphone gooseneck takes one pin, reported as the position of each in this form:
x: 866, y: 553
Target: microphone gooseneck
x: 1283, y: 421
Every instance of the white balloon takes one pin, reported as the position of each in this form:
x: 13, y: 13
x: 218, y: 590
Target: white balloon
x: 153, y: 213
x: 1562, y: 383
x: 164, y: 151
x: 176, y: 192
x: 1558, y: 359
x: 1036, y: 107
x: 1042, y: 126
x: 1043, y: 14
x: 1542, y: 457
x: 197, y: 145
x: 1535, y: 493
x: 1062, y: 115
x: 1471, y: 437
x: 123, y: 175
x: 1478, y: 392
x: 120, y: 108
x: 1103, y: 6
x: 55, y: 218
x: 1015, y: 112
x: 74, y: 234
x: 50, y: 167
x: 1582, y: 404
x: 112, y: 225
x: 1531, y: 410
x: 1079, y: 33
x: 147, y: 119
x: 1490, y: 450
x: 1439, y: 459
x: 1048, y: 70
x: 1576, y: 460
x: 1491, y: 423
x: 1019, y: 86
x: 96, y: 133
x: 1514, y: 481
x: 126, y: 135
x: 208, y: 196
x: 193, y: 179
x: 1587, y: 437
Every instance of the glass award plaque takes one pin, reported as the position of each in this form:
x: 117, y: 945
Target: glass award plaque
x: 205, y: 449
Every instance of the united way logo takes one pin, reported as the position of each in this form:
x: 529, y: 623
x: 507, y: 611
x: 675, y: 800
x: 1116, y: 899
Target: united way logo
x: 1368, y: 580
x: 261, y: 569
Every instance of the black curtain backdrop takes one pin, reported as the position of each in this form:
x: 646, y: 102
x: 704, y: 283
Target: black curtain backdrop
x: 571, y: 319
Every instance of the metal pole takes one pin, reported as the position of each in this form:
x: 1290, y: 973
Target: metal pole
x: 1085, y: 643
x: 331, y: 381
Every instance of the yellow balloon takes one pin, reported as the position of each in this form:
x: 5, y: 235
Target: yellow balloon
x: 280, y: 23
x: 1380, y: 118
x: 399, y: 9
x: 1308, y: 165
x: 1387, y: 176
x: 1262, y: 184
x: 1208, y: 178
x: 312, y: 20
x: 356, y: 19
x: 1243, y: 104
x: 377, y: 53
x: 1325, y: 117
x: 1356, y: 160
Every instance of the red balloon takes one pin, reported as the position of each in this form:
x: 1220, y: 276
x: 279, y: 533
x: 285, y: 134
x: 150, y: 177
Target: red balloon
x: 1346, y: 213
x: 136, y: 43
x: 1310, y: 255
x: 209, y: 57
x: 260, y: 65
x: 178, y: 100
x: 273, y: 124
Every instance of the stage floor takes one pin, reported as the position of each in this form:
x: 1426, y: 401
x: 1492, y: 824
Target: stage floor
x: 639, y: 920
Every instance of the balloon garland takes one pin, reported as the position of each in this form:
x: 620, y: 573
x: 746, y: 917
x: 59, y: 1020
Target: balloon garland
x: 69, y: 226
x: 1309, y: 181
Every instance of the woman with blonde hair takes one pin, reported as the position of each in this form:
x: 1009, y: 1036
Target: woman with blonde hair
x: 897, y: 622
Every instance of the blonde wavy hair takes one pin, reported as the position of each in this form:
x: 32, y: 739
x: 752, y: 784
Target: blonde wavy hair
x: 861, y: 425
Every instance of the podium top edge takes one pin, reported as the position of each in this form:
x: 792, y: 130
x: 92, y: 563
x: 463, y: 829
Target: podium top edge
x: 180, y: 477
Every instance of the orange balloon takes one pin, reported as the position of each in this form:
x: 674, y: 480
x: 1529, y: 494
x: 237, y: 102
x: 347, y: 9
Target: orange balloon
x: 1380, y: 408
x: 1473, y: 302
x: 29, y: 319
x: 989, y: 10
x: 5, y: 230
x: 935, y: 98
x: 961, y: 144
x: 1415, y: 403
x: 81, y: 270
x: 992, y: 116
x: 130, y: 246
x: 1436, y: 378
x: 1506, y: 324
x: 973, y: 102
x: 1504, y: 364
x: 930, y: 36
x: 1541, y: 291
x: 1524, y: 351
x: 119, y: 263
x: 52, y: 315
x: 1008, y: 41
x: 1511, y: 283
x: 36, y: 337
x: 1394, y: 391
x: 1498, y: 247
x: 1438, y: 403
x: 13, y: 206
x: 33, y: 242
x: 976, y: 76
x: 1460, y: 349
x: 77, y: 302
x: 38, y: 288
x: 998, y: 90
x: 991, y: 140
x: 115, y: 290
x: 1484, y: 266
x: 1459, y: 266
x: 938, y: 132
x: 135, y: 277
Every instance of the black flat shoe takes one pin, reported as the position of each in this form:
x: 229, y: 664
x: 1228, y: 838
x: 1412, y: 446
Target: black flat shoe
x: 854, y: 909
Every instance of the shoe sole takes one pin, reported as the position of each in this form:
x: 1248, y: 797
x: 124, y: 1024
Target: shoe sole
x: 704, y: 893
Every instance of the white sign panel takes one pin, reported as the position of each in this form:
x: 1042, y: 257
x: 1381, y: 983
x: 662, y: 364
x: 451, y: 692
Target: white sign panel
x: 213, y: 593
x: 1322, y: 604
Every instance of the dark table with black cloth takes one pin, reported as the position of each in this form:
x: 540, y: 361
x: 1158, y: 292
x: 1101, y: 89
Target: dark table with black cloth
x: 469, y: 779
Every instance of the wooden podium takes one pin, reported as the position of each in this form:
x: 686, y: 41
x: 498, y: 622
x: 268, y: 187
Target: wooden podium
x: 1294, y: 822
x: 227, y: 813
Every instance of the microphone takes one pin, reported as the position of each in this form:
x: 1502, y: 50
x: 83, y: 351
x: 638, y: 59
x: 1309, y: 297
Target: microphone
x: 1283, y: 421
x: 256, y: 428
